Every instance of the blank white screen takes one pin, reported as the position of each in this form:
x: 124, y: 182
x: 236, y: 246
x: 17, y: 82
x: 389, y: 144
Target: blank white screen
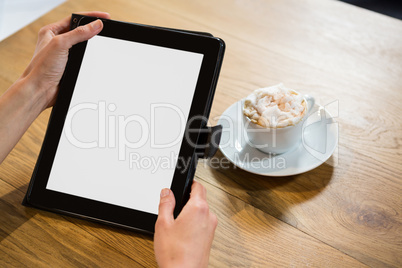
x: 119, y: 86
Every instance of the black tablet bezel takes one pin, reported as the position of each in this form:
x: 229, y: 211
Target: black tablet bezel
x: 211, y: 47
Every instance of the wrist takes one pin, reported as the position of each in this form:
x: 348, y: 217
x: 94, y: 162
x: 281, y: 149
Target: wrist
x: 30, y: 95
x: 19, y: 107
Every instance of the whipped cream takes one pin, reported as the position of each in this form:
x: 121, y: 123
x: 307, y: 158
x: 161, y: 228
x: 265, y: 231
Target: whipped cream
x: 275, y: 107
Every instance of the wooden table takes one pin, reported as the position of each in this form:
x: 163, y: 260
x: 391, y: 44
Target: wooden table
x: 345, y: 213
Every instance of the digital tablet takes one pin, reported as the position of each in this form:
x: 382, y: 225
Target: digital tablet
x: 131, y: 105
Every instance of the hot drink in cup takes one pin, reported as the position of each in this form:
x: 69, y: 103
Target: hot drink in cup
x: 273, y: 118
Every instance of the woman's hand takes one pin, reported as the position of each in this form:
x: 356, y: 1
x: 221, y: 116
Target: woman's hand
x: 37, y: 88
x: 185, y: 241
x: 51, y: 53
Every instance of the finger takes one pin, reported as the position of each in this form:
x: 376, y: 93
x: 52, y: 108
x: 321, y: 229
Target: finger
x: 166, y: 206
x: 63, y: 25
x: 198, y: 191
x: 80, y: 34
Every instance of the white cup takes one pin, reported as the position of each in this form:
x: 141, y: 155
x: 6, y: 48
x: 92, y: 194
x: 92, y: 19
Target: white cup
x: 276, y: 140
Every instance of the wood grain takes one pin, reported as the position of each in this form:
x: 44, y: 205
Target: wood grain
x: 44, y: 239
x: 343, y: 214
x: 249, y: 237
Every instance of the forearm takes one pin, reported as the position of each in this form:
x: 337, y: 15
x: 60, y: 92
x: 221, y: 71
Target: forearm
x: 19, y: 106
x: 38, y: 86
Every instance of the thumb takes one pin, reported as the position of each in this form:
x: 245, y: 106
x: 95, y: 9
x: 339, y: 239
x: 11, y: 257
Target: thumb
x: 166, y: 205
x: 81, y: 33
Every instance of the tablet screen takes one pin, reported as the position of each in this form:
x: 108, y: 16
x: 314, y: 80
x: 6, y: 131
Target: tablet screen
x: 126, y: 121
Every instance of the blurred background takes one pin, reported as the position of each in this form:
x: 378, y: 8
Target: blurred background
x: 391, y: 8
x: 15, y: 14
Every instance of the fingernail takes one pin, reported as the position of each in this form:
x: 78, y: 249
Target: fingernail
x: 165, y: 192
x: 97, y: 24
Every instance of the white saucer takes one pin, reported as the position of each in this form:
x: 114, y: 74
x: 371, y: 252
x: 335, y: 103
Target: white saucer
x: 320, y: 139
